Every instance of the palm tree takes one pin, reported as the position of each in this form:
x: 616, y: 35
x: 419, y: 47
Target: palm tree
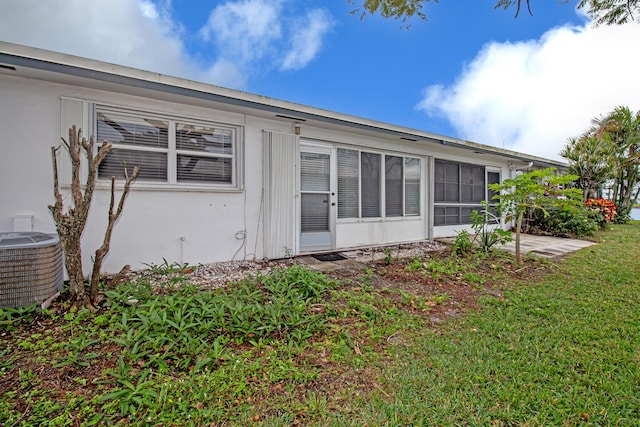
x: 622, y: 126
x: 592, y: 158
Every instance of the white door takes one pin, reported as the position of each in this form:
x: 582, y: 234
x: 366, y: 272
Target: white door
x: 317, y: 199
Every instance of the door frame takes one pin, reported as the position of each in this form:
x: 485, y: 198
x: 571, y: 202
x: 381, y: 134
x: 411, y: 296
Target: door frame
x: 330, y: 245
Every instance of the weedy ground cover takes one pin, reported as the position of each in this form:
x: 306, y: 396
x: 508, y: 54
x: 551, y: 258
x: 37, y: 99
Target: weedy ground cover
x: 400, y: 343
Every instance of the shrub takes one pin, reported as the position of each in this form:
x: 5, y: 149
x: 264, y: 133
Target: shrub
x: 574, y: 222
x: 487, y: 228
x: 622, y: 218
x: 486, y: 233
x: 462, y: 245
x: 605, y: 208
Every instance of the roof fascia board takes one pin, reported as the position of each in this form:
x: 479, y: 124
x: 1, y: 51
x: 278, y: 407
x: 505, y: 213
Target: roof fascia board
x: 121, y: 75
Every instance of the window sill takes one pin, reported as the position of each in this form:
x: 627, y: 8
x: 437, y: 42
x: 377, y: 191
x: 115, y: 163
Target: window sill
x: 162, y: 187
x: 373, y: 220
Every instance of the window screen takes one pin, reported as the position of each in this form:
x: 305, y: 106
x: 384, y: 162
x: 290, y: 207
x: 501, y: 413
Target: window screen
x: 458, y: 190
x: 492, y: 178
x: 370, y: 172
x: 446, y: 215
x: 472, y: 185
x: 465, y: 213
x: 447, y: 182
x: 393, y: 185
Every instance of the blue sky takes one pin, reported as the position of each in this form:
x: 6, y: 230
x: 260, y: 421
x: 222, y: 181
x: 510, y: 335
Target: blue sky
x: 470, y: 71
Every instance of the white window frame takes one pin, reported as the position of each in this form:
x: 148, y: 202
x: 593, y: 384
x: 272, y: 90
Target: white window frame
x: 382, y: 187
x: 172, y: 182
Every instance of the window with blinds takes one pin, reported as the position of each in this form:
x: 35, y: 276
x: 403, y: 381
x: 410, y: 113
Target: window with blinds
x: 167, y: 150
x: 348, y: 183
x: 137, y: 141
x: 375, y: 185
x: 459, y: 188
x: 314, y: 172
x: 370, y: 182
x: 412, y: 198
x: 204, y: 153
x: 315, y: 185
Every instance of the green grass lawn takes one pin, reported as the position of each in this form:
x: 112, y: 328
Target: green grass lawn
x: 554, y: 344
x: 562, y: 350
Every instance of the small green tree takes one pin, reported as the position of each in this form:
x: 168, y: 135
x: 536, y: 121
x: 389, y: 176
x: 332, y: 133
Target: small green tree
x: 539, y: 189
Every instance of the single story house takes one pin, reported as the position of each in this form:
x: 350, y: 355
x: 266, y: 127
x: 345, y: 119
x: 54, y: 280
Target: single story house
x: 228, y: 175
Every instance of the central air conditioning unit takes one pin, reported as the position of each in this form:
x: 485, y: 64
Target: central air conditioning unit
x: 31, y: 269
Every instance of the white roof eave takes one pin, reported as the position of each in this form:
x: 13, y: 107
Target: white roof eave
x: 17, y: 56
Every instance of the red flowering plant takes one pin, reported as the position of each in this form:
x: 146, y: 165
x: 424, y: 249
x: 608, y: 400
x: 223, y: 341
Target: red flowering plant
x: 606, y: 208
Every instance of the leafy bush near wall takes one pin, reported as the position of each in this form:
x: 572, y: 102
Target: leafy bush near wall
x: 575, y: 222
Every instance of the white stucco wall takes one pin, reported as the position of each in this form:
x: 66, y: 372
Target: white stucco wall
x: 376, y: 232
x: 194, y: 226
x: 176, y: 225
x: 26, y: 179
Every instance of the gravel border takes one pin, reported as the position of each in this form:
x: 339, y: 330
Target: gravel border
x: 218, y: 274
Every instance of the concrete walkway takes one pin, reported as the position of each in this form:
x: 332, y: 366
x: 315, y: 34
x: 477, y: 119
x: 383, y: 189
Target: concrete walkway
x: 546, y: 246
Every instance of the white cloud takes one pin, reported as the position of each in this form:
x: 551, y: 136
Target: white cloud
x: 306, y: 41
x: 531, y: 96
x: 244, y: 30
x: 250, y: 32
x: 125, y: 32
x: 244, y: 35
x: 149, y: 10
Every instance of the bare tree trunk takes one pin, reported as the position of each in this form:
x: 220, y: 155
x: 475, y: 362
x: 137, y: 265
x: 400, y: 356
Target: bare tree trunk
x: 70, y: 224
x: 73, y: 261
x: 627, y: 195
x: 103, y: 250
x: 517, y: 243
